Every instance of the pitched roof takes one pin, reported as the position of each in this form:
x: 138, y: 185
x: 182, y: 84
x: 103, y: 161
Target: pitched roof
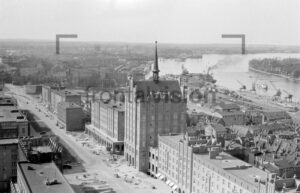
x: 240, y: 130
x: 276, y: 115
x: 228, y: 106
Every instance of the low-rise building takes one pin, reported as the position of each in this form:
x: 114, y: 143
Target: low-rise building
x: 37, y: 178
x: 275, y: 116
x: 107, y: 124
x: 231, y: 117
x: 282, y: 168
x: 215, y: 130
x: 70, y: 116
x: 228, y: 107
x: 8, y: 162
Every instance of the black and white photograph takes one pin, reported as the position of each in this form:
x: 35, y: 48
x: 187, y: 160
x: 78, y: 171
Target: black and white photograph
x: 149, y: 96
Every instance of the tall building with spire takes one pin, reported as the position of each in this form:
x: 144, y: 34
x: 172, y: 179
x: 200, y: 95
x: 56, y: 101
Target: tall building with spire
x: 152, y: 107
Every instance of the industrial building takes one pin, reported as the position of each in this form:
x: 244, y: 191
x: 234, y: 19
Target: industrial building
x: 107, y: 124
x: 152, y: 107
x: 8, y: 162
x: 193, y: 164
x: 70, y: 116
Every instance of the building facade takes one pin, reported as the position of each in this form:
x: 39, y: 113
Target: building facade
x: 46, y: 93
x: 8, y: 162
x: 189, y: 165
x: 70, y: 116
x: 107, y: 124
x: 13, y: 124
x: 58, y: 96
x: 152, y: 107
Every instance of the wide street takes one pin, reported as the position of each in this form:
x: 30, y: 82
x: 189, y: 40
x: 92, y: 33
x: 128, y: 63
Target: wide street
x: 93, y: 164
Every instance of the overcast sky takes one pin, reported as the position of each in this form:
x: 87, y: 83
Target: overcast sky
x: 172, y: 21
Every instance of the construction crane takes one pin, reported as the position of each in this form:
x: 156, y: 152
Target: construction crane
x: 243, y: 87
x: 289, y: 96
x: 278, y: 91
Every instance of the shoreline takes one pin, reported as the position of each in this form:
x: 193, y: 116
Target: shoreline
x: 270, y: 73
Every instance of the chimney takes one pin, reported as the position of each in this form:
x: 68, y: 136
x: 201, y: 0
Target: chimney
x: 155, y: 67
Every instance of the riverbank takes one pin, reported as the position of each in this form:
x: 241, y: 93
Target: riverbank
x: 273, y: 74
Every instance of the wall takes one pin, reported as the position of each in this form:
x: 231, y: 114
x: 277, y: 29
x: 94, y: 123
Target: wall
x: 8, y: 164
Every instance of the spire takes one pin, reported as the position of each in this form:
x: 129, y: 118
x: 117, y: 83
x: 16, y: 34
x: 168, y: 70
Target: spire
x: 155, y: 67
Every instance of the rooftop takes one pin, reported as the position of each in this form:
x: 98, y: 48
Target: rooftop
x: 172, y: 140
x: 36, y: 176
x: 8, y: 141
x: 235, y: 167
x: 146, y: 86
x: 10, y: 114
x: 119, y: 106
x: 276, y: 115
x: 224, y: 113
x: 68, y: 105
x: 66, y: 92
x: 228, y: 106
x: 7, y: 101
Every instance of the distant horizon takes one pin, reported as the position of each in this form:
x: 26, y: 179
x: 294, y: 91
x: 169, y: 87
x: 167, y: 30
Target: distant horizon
x: 264, y: 22
x: 127, y: 42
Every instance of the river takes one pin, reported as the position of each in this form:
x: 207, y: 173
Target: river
x: 229, y: 69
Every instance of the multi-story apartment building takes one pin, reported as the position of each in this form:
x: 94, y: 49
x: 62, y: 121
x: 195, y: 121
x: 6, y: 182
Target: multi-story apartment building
x: 13, y: 123
x: 152, y: 107
x: 189, y: 165
x: 70, y: 116
x: 46, y: 93
x: 107, y: 124
x: 58, y: 96
x: 8, y: 162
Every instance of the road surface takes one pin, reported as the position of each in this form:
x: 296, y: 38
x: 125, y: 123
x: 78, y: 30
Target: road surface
x: 92, y: 163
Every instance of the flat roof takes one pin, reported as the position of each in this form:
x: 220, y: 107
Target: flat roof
x: 8, y: 141
x: 69, y: 105
x: 230, y: 165
x: 42, y: 149
x: 65, y: 92
x: 37, y: 174
x: 119, y: 106
x: 10, y: 114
